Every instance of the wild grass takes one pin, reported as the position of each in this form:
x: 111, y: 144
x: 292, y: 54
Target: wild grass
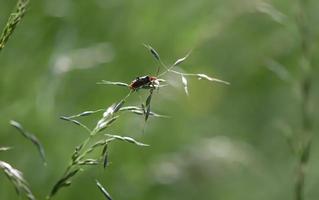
x: 85, y: 156
x: 14, y: 19
x: 17, y: 179
x: 14, y: 175
x: 82, y: 156
x: 30, y: 137
x: 305, y: 90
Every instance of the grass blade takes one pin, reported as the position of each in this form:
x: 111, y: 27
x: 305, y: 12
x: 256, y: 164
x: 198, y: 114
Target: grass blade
x: 30, y: 137
x: 103, y: 190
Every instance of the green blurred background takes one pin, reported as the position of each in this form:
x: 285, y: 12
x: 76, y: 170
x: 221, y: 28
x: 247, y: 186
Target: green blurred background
x: 221, y: 142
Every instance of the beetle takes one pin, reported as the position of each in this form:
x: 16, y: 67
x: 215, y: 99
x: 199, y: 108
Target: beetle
x: 143, y: 81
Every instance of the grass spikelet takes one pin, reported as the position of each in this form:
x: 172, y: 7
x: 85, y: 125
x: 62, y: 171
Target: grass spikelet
x: 181, y: 60
x: 184, y: 81
x: 118, y: 106
x: 17, y: 179
x: 13, y: 21
x: 82, y: 114
x: 75, y: 122
x: 148, y: 105
x: 30, y: 137
x: 129, y: 108
x: 105, y: 157
x: 105, y: 123
x: 103, y: 190
x: 104, y: 82
x: 89, y: 162
x: 5, y: 148
x: 204, y: 76
x: 127, y: 139
x: 153, y: 52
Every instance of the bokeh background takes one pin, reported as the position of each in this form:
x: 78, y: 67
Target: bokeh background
x: 221, y: 142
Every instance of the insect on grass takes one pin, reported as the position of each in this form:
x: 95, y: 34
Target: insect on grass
x: 83, y: 155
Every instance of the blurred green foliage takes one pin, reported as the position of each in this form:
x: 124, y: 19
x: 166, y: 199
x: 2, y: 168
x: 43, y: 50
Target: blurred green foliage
x: 221, y: 142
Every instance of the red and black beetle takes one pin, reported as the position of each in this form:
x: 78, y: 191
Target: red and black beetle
x: 143, y: 81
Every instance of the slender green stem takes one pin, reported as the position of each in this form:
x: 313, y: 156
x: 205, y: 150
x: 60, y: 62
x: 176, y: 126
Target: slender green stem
x: 305, y: 87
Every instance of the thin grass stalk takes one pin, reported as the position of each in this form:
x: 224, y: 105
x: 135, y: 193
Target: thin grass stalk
x: 305, y: 87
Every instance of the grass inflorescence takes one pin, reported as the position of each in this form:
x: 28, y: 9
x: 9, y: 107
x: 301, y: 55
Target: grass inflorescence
x: 17, y: 179
x: 13, y: 21
x: 14, y: 175
x: 82, y: 156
